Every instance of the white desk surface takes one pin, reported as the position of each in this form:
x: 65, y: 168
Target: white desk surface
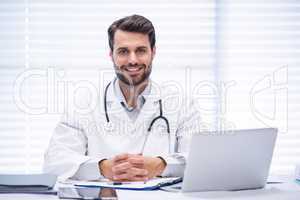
x: 285, y: 191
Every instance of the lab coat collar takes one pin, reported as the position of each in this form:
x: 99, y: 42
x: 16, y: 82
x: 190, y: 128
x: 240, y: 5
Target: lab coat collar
x: 149, y: 94
x: 141, y: 97
x: 149, y: 109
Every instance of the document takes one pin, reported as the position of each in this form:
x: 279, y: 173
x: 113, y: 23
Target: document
x: 27, y: 183
x: 152, y: 184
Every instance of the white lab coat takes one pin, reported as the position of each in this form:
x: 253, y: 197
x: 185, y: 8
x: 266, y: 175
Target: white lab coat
x: 80, y: 140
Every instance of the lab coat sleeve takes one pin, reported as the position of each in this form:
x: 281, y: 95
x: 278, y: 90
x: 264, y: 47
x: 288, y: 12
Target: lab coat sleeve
x: 88, y: 170
x: 66, y: 154
x: 175, y: 165
x: 188, y: 122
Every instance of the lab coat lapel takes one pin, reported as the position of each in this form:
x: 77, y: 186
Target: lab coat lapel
x: 114, y: 108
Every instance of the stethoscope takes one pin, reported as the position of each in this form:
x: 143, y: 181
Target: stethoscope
x: 109, y: 126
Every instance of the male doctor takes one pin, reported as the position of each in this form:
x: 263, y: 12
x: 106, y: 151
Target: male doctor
x: 134, y: 132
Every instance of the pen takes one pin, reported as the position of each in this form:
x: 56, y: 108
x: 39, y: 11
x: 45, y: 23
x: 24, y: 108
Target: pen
x: 117, y: 183
x: 114, y: 183
x: 123, y: 183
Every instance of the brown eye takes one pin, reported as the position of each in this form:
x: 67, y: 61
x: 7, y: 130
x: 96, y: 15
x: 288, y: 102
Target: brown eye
x: 122, y: 51
x: 141, y: 51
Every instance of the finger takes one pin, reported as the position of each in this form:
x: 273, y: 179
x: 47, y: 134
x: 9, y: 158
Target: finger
x: 137, y: 162
x: 137, y: 172
x: 123, y: 156
x: 120, y: 158
x: 136, y: 158
x: 121, y: 168
x: 140, y: 178
x: 121, y: 177
x: 132, y: 175
x: 129, y: 177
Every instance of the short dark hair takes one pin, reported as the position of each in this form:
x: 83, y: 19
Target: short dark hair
x: 133, y: 23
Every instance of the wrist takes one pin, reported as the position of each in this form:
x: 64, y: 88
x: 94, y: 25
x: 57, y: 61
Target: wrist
x: 161, y: 165
x: 103, y: 167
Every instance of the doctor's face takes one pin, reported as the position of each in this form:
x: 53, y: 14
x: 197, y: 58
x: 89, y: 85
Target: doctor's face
x: 132, y: 57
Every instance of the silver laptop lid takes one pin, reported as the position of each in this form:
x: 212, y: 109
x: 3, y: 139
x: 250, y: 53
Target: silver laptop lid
x: 231, y: 160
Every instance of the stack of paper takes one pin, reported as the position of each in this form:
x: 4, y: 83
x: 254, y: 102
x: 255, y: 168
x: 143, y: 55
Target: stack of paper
x: 149, y: 185
x: 27, y: 183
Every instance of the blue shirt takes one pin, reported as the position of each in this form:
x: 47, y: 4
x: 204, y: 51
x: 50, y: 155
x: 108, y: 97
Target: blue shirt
x: 132, y: 112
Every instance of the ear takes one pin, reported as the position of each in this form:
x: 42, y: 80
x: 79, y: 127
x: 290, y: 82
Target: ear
x: 153, y: 51
x: 111, y: 55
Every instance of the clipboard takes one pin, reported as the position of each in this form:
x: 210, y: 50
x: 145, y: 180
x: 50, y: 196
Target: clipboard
x: 152, y: 184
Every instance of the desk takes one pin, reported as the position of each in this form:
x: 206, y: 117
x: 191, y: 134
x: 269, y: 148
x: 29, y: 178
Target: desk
x: 285, y: 191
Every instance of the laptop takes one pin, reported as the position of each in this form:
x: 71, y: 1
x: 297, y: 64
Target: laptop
x: 229, y: 160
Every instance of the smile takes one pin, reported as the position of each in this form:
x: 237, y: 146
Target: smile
x: 133, y: 69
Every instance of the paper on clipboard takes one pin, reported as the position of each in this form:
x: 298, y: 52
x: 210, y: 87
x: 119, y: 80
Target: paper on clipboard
x: 152, y: 184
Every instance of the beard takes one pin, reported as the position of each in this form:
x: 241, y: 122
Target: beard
x: 132, y: 81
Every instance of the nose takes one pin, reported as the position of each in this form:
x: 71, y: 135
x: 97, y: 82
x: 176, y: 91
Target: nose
x: 132, y: 59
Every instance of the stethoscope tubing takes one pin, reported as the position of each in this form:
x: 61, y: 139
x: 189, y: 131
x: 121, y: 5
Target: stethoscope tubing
x: 160, y: 116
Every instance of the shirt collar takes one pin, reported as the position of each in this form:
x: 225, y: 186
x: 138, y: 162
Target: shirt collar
x: 141, y: 97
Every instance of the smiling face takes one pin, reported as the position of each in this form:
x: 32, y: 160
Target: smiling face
x: 132, y: 57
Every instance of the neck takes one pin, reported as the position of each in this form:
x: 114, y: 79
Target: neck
x: 131, y: 92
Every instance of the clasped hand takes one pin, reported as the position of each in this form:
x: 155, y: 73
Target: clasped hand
x: 132, y: 167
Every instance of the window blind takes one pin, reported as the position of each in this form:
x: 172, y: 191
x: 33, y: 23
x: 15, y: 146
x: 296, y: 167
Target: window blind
x: 258, y: 57
x: 12, y: 56
x: 51, y: 45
